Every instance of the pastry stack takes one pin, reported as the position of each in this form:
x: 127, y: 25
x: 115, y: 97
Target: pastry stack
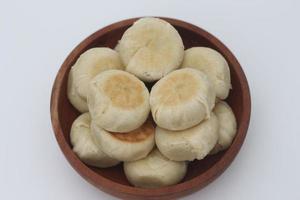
x: 154, y: 131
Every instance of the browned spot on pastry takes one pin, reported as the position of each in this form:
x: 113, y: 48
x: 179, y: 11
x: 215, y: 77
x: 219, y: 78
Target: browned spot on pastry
x: 137, y: 135
x: 178, y: 88
x: 123, y: 91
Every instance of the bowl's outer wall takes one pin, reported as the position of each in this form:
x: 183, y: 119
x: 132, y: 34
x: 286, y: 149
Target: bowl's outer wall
x: 113, y: 180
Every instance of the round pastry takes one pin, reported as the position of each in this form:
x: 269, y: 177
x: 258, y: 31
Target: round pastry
x: 154, y: 171
x: 78, y: 102
x: 151, y: 48
x: 128, y: 146
x: 227, y: 126
x: 118, y: 101
x: 211, y: 63
x: 182, y: 99
x: 84, y: 145
x: 88, y: 65
x: 189, y: 144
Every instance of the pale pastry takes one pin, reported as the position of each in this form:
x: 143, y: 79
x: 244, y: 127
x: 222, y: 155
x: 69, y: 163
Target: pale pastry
x: 182, y: 99
x: 211, y: 63
x: 118, y: 101
x: 84, y: 145
x: 87, y: 66
x: 129, y: 146
x: 154, y: 171
x: 227, y: 126
x: 151, y: 48
x: 189, y: 144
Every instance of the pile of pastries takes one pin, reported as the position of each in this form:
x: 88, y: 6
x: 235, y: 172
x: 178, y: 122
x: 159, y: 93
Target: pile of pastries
x: 154, y: 131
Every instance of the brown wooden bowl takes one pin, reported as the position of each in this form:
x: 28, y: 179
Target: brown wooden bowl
x: 112, y: 180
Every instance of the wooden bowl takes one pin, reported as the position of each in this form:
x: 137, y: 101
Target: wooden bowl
x: 112, y: 180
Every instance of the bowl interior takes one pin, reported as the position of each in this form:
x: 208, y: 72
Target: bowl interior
x: 67, y: 113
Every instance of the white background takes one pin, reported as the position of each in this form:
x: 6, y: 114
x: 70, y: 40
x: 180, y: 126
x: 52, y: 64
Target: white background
x: 36, y: 37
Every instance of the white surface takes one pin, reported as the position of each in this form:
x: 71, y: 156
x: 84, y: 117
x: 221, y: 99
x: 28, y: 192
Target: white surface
x: 36, y: 36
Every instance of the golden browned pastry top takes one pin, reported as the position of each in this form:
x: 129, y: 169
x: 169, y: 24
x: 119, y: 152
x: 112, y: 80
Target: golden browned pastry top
x: 137, y: 135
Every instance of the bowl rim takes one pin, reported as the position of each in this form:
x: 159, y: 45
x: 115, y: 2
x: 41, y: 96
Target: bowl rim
x: 184, y: 187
